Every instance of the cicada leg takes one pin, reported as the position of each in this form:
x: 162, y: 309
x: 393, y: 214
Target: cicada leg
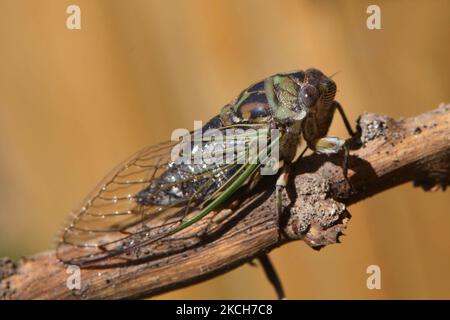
x: 281, y: 184
x: 345, y: 165
x: 344, y: 118
x: 271, y: 274
x: 283, y: 180
x: 269, y: 269
x: 333, y: 145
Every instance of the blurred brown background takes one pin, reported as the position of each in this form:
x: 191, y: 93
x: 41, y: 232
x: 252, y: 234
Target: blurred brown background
x: 75, y: 103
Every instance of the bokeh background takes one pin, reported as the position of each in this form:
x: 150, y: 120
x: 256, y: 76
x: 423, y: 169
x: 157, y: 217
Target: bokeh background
x: 74, y: 103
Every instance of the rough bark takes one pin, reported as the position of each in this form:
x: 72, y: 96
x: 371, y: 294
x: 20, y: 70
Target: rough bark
x: 386, y: 153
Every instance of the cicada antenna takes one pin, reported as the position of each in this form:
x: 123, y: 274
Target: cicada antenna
x: 331, y: 76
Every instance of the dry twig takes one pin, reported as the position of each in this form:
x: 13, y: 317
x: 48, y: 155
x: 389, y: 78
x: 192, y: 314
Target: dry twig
x: 386, y: 154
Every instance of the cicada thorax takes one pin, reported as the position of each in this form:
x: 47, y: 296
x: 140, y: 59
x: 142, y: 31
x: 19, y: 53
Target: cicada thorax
x: 273, y: 103
x: 273, y: 100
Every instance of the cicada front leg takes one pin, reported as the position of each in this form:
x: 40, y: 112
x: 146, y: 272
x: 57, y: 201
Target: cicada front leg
x: 344, y: 118
x: 334, y: 145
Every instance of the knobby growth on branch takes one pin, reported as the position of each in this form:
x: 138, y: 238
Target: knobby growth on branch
x: 386, y: 153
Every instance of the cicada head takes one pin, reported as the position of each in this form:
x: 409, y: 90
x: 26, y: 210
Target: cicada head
x: 299, y: 93
x: 316, y: 92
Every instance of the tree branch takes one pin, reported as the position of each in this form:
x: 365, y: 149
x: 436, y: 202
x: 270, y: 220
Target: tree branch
x: 386, y: 153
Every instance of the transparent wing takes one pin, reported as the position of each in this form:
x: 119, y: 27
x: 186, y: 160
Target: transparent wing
x: 132, y: 214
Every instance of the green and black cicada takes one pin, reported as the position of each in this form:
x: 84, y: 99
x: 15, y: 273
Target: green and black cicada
x: 160, y: 201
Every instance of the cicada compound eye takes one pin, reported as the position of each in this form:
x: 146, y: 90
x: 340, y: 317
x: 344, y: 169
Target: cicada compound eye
x: 308, y: 96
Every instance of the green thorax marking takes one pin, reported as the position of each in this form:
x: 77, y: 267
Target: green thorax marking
x: 282, y: 95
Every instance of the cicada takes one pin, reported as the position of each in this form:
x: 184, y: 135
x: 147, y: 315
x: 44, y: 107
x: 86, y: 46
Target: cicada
x: 154, y: 205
